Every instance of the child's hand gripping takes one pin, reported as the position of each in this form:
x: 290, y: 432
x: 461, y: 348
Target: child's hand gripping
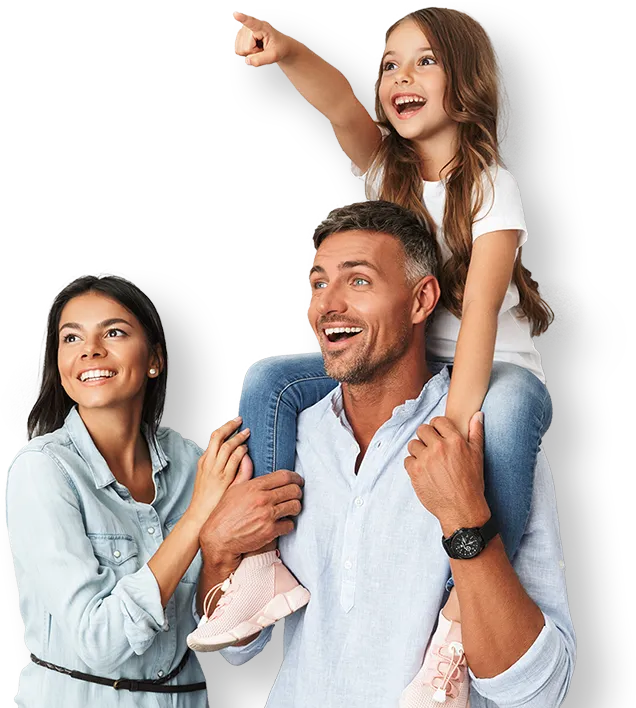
x: 259, y: 42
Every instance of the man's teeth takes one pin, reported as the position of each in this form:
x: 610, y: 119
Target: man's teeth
x: 342, y: 330
x: 96, y: 374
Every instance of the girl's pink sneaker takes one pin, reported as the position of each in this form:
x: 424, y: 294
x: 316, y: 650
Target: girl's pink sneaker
x: 442, y: 682
x: 260, y: 592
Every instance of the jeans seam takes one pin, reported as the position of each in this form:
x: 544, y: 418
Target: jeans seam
x: 278, y: 401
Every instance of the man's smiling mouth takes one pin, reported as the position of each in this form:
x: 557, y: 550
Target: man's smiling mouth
x: 338, y: 334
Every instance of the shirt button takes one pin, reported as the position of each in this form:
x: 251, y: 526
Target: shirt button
x: 160, y: 674
x: 348, y: 565
x: 359, y: 501
x: 151, y: 530
x: 117, y: 554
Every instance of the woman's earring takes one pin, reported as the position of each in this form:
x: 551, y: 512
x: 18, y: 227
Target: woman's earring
x: 152, y: 372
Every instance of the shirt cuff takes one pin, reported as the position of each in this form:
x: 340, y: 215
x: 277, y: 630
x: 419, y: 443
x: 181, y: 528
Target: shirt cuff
x: 240, y: 655
x: 141, y: 607
x: 528, y: 674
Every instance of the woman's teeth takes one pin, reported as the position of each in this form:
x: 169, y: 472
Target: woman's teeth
x: 96, y: 374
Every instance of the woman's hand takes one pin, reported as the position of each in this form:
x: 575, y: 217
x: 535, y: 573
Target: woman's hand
x: 217, y: 468
x: 259, y: 42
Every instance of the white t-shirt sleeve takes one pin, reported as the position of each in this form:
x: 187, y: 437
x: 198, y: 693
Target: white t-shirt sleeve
x: 356, y: 172
x: 501, y: 210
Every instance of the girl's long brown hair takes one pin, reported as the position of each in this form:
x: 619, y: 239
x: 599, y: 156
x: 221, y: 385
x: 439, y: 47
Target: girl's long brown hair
x: 471, y: 99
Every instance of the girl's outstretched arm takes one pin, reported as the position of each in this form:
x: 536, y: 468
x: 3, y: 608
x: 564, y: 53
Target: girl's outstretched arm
x: 319, y: 82
x: 489, y: 275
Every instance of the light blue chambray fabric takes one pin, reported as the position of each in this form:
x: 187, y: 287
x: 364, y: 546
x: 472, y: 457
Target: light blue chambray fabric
x: 80, y: 545
x: 371, y: 556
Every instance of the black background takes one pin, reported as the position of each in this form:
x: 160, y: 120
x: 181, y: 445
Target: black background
x: 140, y: 139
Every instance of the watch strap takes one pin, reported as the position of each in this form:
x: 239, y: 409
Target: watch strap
x: 489, y: 530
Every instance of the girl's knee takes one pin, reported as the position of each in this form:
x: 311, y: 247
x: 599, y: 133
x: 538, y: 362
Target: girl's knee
x: 276, y: 371
x: 515, y: 396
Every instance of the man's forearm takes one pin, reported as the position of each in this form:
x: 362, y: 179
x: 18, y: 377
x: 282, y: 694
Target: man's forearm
x: 499, y: 620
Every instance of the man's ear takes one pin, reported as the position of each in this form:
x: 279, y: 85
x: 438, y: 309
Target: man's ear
x: 426, y: 294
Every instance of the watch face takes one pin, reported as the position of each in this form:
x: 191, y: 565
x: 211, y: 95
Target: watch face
x: 466, y: 544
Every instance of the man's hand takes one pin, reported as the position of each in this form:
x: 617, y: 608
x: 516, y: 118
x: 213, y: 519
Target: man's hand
x: 251, y: 514
x: 447, y: 472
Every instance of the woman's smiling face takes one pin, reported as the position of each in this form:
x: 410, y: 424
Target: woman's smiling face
x: 104, y: 358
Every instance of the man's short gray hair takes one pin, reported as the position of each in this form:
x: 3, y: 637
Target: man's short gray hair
x: 410, y: 229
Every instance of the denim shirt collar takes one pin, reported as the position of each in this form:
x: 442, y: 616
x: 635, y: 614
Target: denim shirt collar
x: 102, y: 475
x: 434, y: 389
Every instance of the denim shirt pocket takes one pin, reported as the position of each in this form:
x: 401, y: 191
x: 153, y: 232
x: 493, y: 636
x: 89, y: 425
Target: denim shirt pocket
x: 118, y: 552
x: 191, y: 575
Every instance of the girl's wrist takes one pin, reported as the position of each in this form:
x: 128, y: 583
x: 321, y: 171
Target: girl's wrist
x: 289, y: 48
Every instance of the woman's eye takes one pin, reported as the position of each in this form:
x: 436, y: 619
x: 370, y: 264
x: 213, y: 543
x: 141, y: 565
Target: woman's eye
x: 114, y: 332
x: 70, y: 338
x: 360, y: 281
x: 389, y: 66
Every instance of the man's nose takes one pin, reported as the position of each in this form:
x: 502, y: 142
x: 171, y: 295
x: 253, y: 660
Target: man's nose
x: 332, y: 300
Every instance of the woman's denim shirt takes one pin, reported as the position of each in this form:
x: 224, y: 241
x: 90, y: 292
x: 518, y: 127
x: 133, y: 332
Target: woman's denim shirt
x: 81, y: 545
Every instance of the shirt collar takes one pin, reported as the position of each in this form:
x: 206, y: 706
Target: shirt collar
x: 102, y: 476
x: 434, y: 389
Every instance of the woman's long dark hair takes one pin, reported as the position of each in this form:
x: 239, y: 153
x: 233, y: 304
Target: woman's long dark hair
x: 53, y: 403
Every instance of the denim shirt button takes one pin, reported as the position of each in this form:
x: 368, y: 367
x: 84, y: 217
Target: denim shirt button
x: 117, y: 554
x: 151, y: 530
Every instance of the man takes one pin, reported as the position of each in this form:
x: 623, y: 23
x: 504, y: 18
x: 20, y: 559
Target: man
x: 367, y: 543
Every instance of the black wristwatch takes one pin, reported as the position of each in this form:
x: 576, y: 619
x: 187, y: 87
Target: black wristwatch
x: 468, y: 543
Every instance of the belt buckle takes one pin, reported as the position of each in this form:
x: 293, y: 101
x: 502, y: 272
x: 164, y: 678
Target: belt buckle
x: 122, y: 684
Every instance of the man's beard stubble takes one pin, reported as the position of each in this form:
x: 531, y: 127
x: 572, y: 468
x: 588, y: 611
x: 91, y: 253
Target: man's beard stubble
x: 363, y: 369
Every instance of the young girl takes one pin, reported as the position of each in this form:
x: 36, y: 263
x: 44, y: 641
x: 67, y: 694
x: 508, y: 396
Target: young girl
x: 433, y: 149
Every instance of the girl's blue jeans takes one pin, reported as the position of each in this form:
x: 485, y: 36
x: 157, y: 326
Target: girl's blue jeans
x: 517, y: 412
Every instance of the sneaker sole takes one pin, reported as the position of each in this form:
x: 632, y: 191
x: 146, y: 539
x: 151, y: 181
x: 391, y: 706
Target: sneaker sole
x: 278, y: 607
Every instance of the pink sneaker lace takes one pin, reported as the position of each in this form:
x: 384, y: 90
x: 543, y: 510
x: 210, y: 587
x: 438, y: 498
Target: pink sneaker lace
x: 453, y: 672
x: 226, y: 588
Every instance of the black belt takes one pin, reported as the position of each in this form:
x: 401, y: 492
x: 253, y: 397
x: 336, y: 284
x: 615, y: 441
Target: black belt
x: 124, y: 684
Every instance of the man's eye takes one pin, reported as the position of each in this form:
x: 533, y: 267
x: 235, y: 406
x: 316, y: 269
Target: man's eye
x: 114, y: 332
x: 360, y: 281
x: 319, y: 285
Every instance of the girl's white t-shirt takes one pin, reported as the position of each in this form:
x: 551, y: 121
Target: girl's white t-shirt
x: 501, y: 210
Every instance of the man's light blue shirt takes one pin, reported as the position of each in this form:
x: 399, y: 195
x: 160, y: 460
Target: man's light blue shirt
x: 372, y: 558
x: 88, y: 599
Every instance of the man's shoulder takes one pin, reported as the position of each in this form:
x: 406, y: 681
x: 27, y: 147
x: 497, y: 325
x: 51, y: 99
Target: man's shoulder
x: 312, y: 416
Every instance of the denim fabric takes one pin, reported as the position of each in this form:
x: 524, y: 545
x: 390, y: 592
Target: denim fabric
x: 88, y: 599
x: 371, y: 556
x: 517, y: 412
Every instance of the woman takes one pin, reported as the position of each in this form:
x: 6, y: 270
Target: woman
x: 104, y: 510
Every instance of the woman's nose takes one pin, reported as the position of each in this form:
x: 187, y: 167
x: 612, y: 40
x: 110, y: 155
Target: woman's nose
x: 93, y: 349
